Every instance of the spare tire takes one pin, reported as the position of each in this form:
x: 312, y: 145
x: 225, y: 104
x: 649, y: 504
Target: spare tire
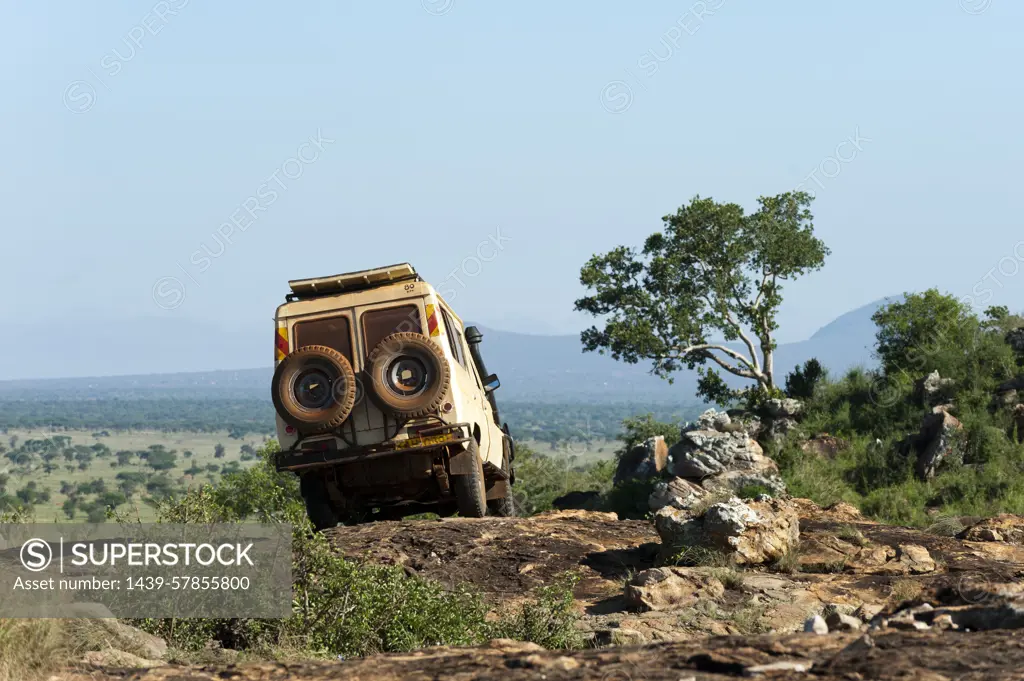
x: 314, y: 389
x: 408, y: 375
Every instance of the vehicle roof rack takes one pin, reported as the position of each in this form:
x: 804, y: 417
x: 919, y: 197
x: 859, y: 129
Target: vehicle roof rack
x: 304, y: 289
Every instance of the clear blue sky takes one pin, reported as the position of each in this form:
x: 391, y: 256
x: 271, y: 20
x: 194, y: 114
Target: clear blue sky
x: 452, y: 120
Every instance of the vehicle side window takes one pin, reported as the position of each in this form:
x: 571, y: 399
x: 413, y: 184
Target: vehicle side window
x: 333, y: 332
x: 454, y: 338
x: 460, y: 344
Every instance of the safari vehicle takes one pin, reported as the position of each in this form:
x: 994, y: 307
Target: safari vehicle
x: 384, y: 406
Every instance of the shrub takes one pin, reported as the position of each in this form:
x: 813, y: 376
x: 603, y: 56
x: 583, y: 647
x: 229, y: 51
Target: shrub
x: 541, y: 479
x: 341, y: 607
x: 549, y: 620
x: 802, y: 381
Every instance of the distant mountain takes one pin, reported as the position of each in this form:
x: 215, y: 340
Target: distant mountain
x: 531, y: 367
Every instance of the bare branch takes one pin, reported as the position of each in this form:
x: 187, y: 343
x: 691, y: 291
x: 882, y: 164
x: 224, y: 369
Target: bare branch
x: 732, y: 369
x: 705, y: 349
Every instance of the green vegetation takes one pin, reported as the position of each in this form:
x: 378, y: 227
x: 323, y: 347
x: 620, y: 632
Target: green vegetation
x: 875, y: 411
x: 78, y: 476
x: 343, y: 608
x: 714, y: 272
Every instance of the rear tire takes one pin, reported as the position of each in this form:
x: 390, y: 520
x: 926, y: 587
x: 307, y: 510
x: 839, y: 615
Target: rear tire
x: 470, y: 492
x: 318, y: 505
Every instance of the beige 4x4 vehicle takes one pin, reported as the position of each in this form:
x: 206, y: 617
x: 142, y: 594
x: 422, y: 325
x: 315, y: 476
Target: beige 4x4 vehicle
x: 384, y: 406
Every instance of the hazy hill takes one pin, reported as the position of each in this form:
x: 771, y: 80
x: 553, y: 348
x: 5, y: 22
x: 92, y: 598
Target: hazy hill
x: 154, y: 357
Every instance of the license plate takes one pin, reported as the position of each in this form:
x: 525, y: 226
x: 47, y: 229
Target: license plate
x: 423, y: 441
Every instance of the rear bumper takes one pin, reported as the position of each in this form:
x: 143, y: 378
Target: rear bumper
x: 327, y: 453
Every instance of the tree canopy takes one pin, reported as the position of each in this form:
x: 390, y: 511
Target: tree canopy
x: 707, y: 288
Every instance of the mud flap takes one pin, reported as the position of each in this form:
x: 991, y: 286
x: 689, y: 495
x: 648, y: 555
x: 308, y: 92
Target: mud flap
x: 463, y: 462
x: 498, y: 490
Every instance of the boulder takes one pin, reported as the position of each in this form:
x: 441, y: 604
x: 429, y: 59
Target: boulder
x: 937, y: 443
x: 838, y: 621
x: 645, y: 461
x: 1015, y: 339
x: 750, y: 533
x: 112, y: 657
x: 826, y: 446
x: 700, y: 454
x: 617, y: 636
x: 732, y: 482
x: 724, y: 462
x: 1015, y: 383
x: 1009, y: 398
x: 939, y: 436
x: 816, y: 625
x: 678, y: 527
x: 677, y: 493
x: 1002, y: 528
x: 123, y: 637
x: 933, y: 389
x: 785, y: 408
x: 671, y: 587
x: 781, y: 417
x: 916, y: 558
x: 712, y: 419
x: 911, y: 559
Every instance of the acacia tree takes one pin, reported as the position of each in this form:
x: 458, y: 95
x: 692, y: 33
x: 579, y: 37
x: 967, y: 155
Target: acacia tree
x: 705, y: 289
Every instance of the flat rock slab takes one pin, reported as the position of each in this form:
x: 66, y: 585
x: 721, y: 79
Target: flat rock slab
x: 929, y: 655
x: 507, y: 556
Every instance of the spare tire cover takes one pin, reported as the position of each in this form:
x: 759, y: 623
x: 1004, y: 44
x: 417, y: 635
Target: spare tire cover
x: 314, y: 389
x: 408, y: 375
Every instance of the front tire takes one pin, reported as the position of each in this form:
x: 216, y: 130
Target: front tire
x: 506, y: 506
x: 318, y: 505
x: 470, y: 492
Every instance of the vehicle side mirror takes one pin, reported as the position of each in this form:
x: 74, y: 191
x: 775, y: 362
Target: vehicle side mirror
x: 491, y: 383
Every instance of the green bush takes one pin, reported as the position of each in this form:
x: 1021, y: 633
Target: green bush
x: 541, y: 479
x: 802, y: 381
x: 342, y: 607
x: 876, y: 411
x: 549, y: 620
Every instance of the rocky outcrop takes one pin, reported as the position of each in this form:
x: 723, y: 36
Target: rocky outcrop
x: 933, y: 390
x: 882, y: 655
x: 119, y: 659
x: 1008, y: 393
x: 937, y: 443
x: 781, y: 417
x: 671, y: 587
x: 1002, y: 528
x: 124, y: 638
x: 677, y: 493
x: 1015, y: 339
x: 715, y: 454
x: 750, y: 533
x: 645, y: 461
x: 825, y: 446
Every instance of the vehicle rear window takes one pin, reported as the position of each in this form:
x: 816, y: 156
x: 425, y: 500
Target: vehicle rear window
x: 379, y: 324
x: 334, y: 332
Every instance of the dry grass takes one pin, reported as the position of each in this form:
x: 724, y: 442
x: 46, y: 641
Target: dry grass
x: 851, y: 534
x: 903, y: 590
x: 949, y: 526
x: 701, y: 507
x: 32, y: 649
x: 788, y: 564
x: 730, y: 577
